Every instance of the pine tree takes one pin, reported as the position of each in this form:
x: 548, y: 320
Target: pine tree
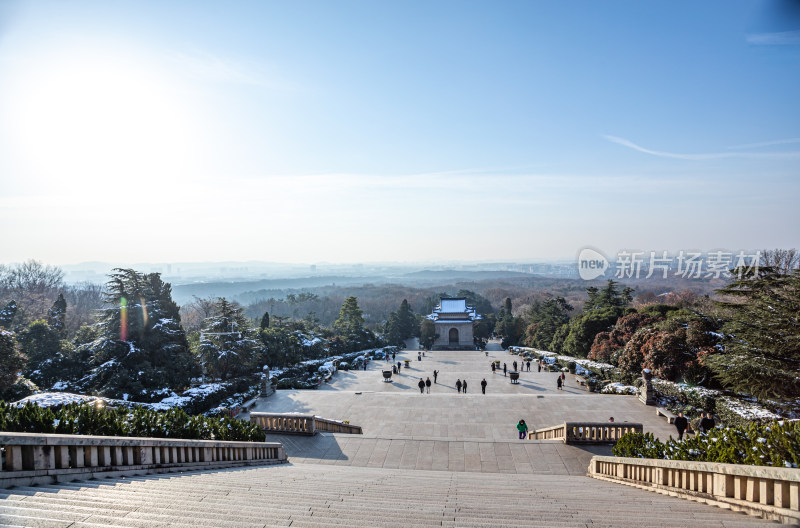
x: 406, y: 320
x: 12, y: 360
x: 57, y: 315
x: 265, y: 320
x: 228, y: 346
x: 761, y: 343
x: 392, y: 330
x: 42, y: 345
x: 351, y: 320
x: 427, y: 334
x: 141, y: 349
x: 7, y: 315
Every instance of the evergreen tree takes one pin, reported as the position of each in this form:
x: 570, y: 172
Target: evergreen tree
x: 545, y: 319
x: 7, y: 315
x: 265, y: 321
x: 427, y: 334
x: 351, y: 320
x: 57, y: 315
x: 281, y: 347
x: 761, y: 354
x: 507, y: 305
x: 42, y: 345
x: 406, y: 320
x: 228, y: 346
x: 141, y: 349
x: 12, y: 360
x: 392, y: 331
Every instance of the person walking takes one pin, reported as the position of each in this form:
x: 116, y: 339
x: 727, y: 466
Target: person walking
x: 419, y: 356
x: 421, y: 386
x: 701, y: 425
x: 394, y: 355
x: 681, y: 424
x: 435, y: 375
x: 464, y: 386
x: 563, y: 378
x: 529, y: 365
x: 522, y: 428
x: 493, y: 367
x: 504, y: 369
x: 365, y: 363
x: 540, y: 365
x: 515, y: 366
x: 559, y: 383
x: 458, y: 385
x: 428, y: 385
x: 399, y: 366
x: 483, y: 386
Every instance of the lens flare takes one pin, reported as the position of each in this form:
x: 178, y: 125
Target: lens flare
x: 144, y: 312
x: 123, y: 319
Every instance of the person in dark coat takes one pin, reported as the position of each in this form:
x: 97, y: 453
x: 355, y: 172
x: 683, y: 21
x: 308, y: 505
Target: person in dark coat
x: 706, y: 423
x: 421, y: 386
x: 559, y: 383
x: 515, y: 366
x: 428, y: 385
x: 493, y: 367
x: 394, y: 355
x: 399, y: 366
x: 504, y: 369
x: 483, y: 386
x: 540, y: 366
x: 681, y: 424
x: 464, y: 386
x: 458, y: 385
x: 435, y: 375
x: 529, y: 365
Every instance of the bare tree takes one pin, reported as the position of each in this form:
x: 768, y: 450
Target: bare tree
x: 197, y: 311
x: 781, y: 260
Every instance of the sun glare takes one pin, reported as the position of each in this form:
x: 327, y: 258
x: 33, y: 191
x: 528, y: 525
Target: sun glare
x: 97, y: 121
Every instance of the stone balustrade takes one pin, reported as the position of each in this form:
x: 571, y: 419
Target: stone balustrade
x: 586, y: 432
x: 772, y: 493
x: 305, y: 424
x: 31, y: 458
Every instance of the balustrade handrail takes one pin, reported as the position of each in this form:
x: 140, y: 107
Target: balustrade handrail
x: 296, y: 423
x: 586, y: 432
x: 773, y: 493
x: 30, y: 458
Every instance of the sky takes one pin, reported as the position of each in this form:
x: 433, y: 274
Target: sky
x: 408, y: 131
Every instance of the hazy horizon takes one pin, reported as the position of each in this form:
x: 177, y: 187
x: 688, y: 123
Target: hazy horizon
x: 351, y: 132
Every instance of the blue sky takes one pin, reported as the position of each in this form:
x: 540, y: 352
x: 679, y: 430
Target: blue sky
x: 407, y: 131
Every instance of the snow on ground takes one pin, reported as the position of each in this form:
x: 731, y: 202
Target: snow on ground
x: 51, y: 399
x: 619, y: 388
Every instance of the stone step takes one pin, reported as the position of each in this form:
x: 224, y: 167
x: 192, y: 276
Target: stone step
x: 313, y: 495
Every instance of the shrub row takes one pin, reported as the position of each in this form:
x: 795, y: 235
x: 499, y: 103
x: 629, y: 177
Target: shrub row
x: 87, y: 419
x: 771, y: 444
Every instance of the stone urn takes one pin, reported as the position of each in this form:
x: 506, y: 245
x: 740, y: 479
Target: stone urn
x: 387, y: 375
x: 514, y: 376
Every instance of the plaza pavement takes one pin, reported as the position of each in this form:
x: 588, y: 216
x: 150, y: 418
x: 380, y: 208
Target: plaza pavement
x: 445, y: 430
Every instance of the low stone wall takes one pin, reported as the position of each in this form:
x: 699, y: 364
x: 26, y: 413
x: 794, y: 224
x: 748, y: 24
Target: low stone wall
x: 772, y: 493
x: 586, y: 432
x: 305, y: 424
x: 29, y: 458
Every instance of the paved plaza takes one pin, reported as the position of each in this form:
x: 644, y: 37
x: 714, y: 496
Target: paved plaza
x: 449, y: 431
x: 441, y: 459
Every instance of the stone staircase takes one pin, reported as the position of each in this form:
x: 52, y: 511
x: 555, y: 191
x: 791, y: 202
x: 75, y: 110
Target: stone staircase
x: 316, y: 495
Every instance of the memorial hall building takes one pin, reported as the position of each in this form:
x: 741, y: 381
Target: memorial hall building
x: 453, y: 320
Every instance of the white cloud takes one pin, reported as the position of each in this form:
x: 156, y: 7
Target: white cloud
x: 706, y: 156
x: 762, y: 144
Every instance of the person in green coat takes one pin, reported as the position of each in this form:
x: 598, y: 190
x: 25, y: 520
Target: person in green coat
x: 522, y: 427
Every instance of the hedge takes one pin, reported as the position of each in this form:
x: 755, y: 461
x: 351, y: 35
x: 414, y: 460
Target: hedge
x: 771, y: 444
x: 87, y: 419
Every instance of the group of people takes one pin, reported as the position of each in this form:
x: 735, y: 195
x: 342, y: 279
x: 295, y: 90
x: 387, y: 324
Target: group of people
x: 461, y: 386
x: 705, y: 424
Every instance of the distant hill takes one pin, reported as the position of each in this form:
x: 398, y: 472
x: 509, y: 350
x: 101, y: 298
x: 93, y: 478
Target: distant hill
x: 465, y: 275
